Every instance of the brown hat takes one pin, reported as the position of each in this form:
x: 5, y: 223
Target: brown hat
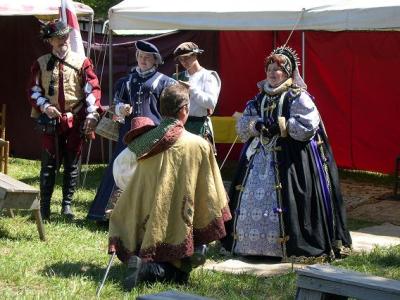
x: 187, y: 48
x: 139, y: 125
x: 55, y: 28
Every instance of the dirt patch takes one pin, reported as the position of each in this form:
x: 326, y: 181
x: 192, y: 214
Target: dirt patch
x: 366, y: 201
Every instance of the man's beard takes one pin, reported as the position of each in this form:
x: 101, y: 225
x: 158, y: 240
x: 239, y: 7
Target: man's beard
x: 61, y: 52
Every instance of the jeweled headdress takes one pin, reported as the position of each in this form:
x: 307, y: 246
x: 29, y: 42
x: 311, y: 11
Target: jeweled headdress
x: 291, y: 64
x: 292, y: 60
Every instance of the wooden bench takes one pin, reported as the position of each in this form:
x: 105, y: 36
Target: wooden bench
x: 15, y: 194
x: 169, y: 295
x: 328, y: 282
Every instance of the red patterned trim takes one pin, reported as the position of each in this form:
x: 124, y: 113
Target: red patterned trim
x: 213, y: 231
x: 226, y: 214
x: 160, y: 252
x: 168, y: 252
x: 115, y: 245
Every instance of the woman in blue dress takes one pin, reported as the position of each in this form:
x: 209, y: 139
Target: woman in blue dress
x: 136, y: 94
x: 285, y: 198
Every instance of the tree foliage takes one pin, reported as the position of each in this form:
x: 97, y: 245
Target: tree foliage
x: 100, y: 7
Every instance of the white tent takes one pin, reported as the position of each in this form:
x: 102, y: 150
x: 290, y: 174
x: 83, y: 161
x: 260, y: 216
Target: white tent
x: 332, y: 33
x: 331, y: 15
x: 44, y: 10
x: 356, y: 15
x: 256, y: 15
x: 38, y: 8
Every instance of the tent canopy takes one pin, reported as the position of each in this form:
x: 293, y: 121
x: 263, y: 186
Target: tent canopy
x: 339, y: 57
x: 328, y: 15
x: 38, y: 8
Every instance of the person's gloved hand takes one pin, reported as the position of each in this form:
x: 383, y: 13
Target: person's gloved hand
x: 125, y: 110
x: 52, y: 112
x: 268, y: 129
x: 88, y: 128
x: 272, y: 130
x: 259, y: 125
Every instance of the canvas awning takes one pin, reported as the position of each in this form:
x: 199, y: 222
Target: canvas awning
x: 38, y: 8
x: 340, y: 57
x: 256, y: 15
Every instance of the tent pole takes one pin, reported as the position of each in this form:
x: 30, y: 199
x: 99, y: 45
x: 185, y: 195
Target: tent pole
x: 89, y: 39
x: 110, y: 83
x: 303, y: 54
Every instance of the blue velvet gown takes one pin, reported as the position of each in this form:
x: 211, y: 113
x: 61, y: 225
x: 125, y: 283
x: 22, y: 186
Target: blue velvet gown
x: 142, y: 92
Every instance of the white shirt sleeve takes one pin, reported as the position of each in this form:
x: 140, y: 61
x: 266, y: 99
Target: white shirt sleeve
x: 204, y: 91
x: 124, y: 167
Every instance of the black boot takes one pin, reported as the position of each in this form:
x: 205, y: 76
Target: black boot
x: 139, y: 271
x: 70, y: 181
x: 134, y: 268
x: 199, y: 256
x: 47, y: 180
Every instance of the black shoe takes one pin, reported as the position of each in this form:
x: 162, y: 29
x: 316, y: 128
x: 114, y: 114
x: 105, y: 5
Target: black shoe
x: 66, y: 211
x: 140, y: 271
x: 199, y: 256
x: 181, y: 277
x: 134, y: 267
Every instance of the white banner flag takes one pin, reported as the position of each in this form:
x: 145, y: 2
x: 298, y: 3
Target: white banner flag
x: 68, y: 16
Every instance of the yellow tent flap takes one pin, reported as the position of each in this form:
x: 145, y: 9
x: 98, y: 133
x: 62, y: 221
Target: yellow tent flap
x: 224, y: 129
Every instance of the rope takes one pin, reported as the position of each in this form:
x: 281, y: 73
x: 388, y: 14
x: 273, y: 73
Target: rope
x: 104, y: 41
x: 295, y: 26
x: 229, y: 152
x: 104, y: 59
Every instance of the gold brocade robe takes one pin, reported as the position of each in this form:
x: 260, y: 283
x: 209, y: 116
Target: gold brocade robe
x: 174, y: 201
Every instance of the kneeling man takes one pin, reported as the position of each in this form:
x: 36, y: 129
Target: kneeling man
x: 173, y: 198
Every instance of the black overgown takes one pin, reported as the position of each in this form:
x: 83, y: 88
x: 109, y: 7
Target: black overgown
x: 313, y: 224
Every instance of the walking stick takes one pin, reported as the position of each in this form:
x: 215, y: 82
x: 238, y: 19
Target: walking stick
x: 236, y: 115
x: 229, y: 152
x: 87, y: 163
x: 57, y: 149
x: 79, y: 170
x: 105, y: 275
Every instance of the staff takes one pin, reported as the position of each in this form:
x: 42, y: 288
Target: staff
x: 105, y: 275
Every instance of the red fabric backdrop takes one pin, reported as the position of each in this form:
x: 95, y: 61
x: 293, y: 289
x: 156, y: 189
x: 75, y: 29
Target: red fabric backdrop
x: 240, y: 67
x: 352, y: 75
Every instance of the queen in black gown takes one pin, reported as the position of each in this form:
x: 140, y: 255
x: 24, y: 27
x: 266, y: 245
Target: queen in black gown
x: 285, y: 198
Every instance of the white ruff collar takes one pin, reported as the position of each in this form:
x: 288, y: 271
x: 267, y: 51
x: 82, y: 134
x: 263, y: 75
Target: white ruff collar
x: 146, y: 73
x: 279, y: 89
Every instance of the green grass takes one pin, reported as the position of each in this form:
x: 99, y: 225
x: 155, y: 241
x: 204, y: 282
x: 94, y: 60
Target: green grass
x: 367, y: 177
x: 384, y: 262
x: 354, y: 224
x: 71, y: 263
